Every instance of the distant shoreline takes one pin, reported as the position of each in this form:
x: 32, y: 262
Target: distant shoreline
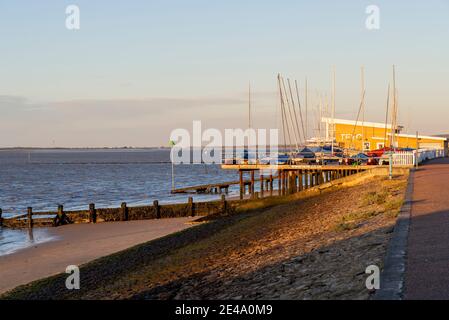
x: 84, y: 148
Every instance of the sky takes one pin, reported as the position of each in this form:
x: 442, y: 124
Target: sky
x: 136, y: 70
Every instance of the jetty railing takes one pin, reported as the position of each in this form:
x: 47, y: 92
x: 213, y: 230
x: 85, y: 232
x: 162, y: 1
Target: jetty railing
x: 414, y: 157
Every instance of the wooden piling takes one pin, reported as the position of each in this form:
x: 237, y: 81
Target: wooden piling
x: 92, y: 213
x: 261, y: 184
x: 252, y: 184
x: 60, y: 217
x: 224, y: 204
x: 1, y: 219
x: 242, y: 187
x: 291, y: 182
x: 192, y: 206
x: 124, y: 212
x: 157, y: 209
x: 30, y: 217
x: 279, y: 182
x: 282, y: 182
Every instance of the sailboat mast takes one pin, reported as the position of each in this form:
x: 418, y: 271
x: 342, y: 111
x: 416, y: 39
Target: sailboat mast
x: 386, y: 116
x: 394, y: 111
x: 307, y: 103
x: 249, y: 105
x: 333, y: 110
x: 282, y: 111
x: 362, y: 99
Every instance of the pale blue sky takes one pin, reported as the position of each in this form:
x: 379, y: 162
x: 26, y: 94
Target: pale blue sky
x: 138, y: 69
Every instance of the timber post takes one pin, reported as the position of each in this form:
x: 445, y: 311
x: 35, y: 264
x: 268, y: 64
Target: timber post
x: 224, y: 204
x: 252, y: 184
x: 92, y: 213
x: 280, y: 183
x: 242, y: 191
x: 1, y: 219
x: 157, y: 209
x: 59, y: 220
x: 60, y: 212
x: 30, y: 217
x: 192, y: 206
x: 124, y: 212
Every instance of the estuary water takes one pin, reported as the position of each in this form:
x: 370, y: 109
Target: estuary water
x: 43, y: 179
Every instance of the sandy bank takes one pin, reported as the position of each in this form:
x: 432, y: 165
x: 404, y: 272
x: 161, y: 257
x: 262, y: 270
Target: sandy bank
x: 78, y: 244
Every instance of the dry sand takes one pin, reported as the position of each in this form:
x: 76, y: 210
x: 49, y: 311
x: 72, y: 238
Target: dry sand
x: 78, y: 244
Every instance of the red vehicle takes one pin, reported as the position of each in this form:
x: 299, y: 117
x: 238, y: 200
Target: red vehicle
x: 380, y: 152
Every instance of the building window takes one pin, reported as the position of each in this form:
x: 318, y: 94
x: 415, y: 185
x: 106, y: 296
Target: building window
x: 380, y: 145
x: 366, y: 146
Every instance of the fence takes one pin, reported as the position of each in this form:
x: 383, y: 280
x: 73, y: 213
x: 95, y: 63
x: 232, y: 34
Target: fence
x: 409, y: 158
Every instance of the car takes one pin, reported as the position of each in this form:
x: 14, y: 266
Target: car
x: 357, y: 159
x: 372, y: 161
x: 380, y: 152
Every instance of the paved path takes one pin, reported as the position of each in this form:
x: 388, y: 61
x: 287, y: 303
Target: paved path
x: 80, y: 243
x: 427, y: 271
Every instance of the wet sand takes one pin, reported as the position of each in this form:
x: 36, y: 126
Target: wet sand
x: 79, y: 244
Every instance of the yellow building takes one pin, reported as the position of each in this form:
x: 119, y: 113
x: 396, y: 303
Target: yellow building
x: 371, y: 136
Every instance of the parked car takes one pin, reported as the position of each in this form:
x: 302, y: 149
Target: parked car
x: 372, y: 161
x: 357, y: 159
x: 380, y: 152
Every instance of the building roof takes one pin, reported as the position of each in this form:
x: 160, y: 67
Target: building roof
x: 353, y: 123
x: 377, y: 125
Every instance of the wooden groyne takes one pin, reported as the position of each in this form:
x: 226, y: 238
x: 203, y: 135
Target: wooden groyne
x: 124, y: 213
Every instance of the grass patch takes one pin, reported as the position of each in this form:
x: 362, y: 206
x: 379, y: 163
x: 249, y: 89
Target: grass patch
x: 375, y: 197
x: 394, y: 204
x: 345, y: 226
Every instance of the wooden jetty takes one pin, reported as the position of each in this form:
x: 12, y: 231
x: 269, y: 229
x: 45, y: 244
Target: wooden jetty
x: 290, y: 178
x: 214, y: 188
x: 309, y: 175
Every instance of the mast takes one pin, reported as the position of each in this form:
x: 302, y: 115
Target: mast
x: 294, y: 112
x: 394, y: 111
x: 304, y: 133
x: 282, y: 111
x: 249, y: 105
x: 333, y: 110
x: 386, y: 116
x: 307, y: 103
x: 362, y: 99
x: 290, y: 114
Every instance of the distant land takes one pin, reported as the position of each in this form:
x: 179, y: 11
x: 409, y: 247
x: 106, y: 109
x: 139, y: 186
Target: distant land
x: 81, y: 148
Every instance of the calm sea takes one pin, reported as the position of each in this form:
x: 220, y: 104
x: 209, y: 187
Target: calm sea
x: 42, y: 179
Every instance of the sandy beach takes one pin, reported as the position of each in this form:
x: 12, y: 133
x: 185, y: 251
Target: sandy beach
x: 79, y: 244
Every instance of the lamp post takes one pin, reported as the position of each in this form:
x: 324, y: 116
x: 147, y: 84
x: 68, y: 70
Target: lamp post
x: 171, y: 143
x: 390, y: 164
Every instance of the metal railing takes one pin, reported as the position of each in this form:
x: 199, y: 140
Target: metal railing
x: 416, y: 156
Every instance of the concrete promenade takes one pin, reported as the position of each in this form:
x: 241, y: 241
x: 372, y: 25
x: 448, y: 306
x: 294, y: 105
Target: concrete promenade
x: 427, y: 263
